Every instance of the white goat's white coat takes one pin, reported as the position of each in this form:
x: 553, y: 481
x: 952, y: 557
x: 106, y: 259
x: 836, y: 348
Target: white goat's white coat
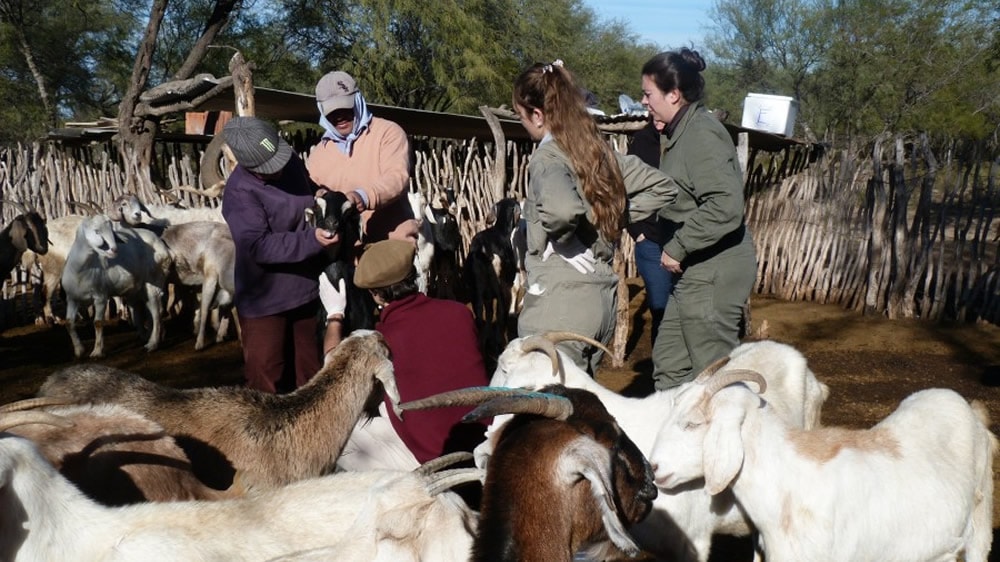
x: 379, y: 513
x: 682, y: 522
x: 104, y: 262
x: 916, y: 486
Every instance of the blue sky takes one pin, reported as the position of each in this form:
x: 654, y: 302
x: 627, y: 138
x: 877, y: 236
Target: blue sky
x: 670, y: 24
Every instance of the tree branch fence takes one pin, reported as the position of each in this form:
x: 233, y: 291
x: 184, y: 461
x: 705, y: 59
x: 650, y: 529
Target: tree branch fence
x: 901, y: 231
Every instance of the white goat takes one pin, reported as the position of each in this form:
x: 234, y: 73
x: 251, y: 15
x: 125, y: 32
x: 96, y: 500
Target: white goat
x: 203, y: 255
x: 377, y: 515
x: 916, y: 486
x: 105, y: 262
x: 682, y: 522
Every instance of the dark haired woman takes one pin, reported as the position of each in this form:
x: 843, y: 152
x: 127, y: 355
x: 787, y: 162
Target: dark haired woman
x: 580, y: 195
x: 710, y: 252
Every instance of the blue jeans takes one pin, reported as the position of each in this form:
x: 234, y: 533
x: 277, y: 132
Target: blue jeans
x: 659, y: 282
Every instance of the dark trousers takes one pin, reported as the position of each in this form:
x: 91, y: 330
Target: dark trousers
x: 281, y: 348
x: 658, y: 281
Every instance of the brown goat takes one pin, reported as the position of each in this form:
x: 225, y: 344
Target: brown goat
x: 270, y: 439
x: 27, y: 231
x: 562, y: 477
x: 115, y: 456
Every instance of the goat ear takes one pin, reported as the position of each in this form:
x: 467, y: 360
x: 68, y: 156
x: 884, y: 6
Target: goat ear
x: 723, y: 451
x: 310, y: 216
x: 584, y: 457
x: 19, y: 234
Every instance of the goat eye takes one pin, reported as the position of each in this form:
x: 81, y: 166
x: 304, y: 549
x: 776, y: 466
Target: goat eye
x: 691, y: 425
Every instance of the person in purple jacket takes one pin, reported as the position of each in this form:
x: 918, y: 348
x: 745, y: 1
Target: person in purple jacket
x: 278, y: 256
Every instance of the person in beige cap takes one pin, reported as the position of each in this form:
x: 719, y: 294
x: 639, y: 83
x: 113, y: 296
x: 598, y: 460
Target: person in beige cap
x: 277, y: 256
x: 434, y: 349
x: 365, y: 157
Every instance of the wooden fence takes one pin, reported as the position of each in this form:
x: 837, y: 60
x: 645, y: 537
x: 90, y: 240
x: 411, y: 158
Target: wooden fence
x: 896, y: 232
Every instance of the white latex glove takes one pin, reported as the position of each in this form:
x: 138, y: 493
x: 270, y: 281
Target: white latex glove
x: 574, y: 253
x: 334, y: 299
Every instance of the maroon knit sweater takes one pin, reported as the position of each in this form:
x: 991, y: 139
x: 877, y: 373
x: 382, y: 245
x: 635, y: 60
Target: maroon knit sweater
x: 434, y: 349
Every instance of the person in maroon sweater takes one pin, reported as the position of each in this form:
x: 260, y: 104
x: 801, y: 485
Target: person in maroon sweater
x: 434, y: 349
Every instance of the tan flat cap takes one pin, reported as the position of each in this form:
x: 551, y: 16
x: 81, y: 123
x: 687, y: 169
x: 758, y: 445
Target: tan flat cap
x: 384, y: 263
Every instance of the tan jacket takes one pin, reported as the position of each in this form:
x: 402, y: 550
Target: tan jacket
x: 379, y: 164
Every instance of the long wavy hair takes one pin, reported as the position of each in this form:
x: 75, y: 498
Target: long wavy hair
x: 552, y: 89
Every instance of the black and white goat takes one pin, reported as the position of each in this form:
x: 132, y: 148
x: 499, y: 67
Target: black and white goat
x: 444, y: 277
x: 490, y: 272
x: 334, y: 212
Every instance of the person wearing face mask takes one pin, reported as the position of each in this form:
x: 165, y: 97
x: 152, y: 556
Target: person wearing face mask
x: 365, y: 157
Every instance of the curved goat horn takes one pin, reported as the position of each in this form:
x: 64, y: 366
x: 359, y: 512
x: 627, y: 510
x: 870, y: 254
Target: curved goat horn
x: 434, y: 465
x: 557, y: 337
x: 712, y: 368
x: 495, y: 400
x: 31, y: 403
x: 548, y: 347
x: 21, y: 207
x: 447, y: 479
x: 472, y: 396
x: 727, y: 378
x: 537, y: 403
x: 14, y: 419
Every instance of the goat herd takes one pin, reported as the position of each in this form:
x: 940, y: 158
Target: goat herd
x: 106, y: 465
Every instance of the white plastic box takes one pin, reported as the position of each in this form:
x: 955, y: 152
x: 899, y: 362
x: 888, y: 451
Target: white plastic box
x: 773, y: 114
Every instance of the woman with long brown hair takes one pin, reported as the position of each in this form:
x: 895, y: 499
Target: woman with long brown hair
x: 580, y: 195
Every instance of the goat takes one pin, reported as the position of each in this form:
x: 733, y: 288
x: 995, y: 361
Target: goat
x: 334, y: 212
x: 490, y: 271
x: 681, y: 524
x: 25, y: 232
x: 61, y: 233
x: 270, y: 439
x: 377, y: 515
x: 916, y: 486
x: 203, y: 254
x: 114, y: 455
x: 129, y: 209
x: 105, y: 262
x: 564, y: 476
x: 425, y: 241
x: 445, y: 277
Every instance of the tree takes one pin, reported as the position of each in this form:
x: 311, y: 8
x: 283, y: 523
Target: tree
x: 137, y: 122
x: 864, y: 66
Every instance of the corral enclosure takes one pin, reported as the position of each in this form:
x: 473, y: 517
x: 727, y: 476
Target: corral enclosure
x: 891, y: 228
x: 838, y: 227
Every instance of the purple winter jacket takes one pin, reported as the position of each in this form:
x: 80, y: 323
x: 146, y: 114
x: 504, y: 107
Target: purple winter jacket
x: 278, y: 258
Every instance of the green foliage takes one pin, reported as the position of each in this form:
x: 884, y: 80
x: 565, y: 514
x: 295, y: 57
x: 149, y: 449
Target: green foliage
x: 861, y: 67
x: 858, y: 67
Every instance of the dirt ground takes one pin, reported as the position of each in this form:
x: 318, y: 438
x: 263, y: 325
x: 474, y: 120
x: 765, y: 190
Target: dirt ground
x: 870, y: 363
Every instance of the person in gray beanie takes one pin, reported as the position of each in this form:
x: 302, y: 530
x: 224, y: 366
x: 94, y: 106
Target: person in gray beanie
x: 278, y: 256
